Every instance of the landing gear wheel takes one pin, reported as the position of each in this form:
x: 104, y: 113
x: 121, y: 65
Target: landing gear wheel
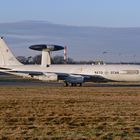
x: 73, y: 84
x: 80, y: 84
x: 66, y: 84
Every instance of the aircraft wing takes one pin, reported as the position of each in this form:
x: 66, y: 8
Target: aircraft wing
x: 37, y: 73
x: 61, y: 76
x: 32, y: 73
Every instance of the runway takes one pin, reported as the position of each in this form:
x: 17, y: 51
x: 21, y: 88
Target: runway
x: 10, y: 80
x: 60, y: 84
x: 29, y: 83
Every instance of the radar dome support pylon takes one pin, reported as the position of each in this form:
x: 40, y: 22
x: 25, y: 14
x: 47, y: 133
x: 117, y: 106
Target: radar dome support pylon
x: 46, y: 49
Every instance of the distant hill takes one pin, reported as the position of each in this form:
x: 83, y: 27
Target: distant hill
x: 84, y: 43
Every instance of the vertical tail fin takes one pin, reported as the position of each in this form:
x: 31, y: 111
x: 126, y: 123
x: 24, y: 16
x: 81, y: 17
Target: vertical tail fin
x: 6, y: 56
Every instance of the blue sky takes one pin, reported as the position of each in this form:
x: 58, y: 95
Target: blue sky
x: 108, y: 13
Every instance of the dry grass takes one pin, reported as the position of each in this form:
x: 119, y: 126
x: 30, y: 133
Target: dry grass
x: 70, y: 113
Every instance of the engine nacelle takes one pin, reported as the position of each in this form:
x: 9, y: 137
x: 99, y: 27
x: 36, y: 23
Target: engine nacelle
x: 48, y: 77
x: 75, y: 79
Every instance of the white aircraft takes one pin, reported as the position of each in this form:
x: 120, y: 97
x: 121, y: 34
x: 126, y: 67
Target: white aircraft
x: 70, y: 74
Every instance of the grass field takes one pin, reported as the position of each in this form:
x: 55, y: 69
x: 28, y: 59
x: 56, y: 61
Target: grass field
x: 70, y: 113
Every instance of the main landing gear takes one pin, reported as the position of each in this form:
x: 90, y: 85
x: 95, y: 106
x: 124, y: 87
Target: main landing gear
x: 66, y: 84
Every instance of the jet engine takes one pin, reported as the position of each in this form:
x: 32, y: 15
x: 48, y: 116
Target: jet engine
x: 74, y: 80
x: 48, y: 77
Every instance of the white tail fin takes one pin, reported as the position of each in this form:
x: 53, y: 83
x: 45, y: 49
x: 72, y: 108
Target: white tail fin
x: 6, y: 56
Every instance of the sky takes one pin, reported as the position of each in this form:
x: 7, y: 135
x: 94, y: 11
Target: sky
x: 103, y: 13
x: 96, y: 13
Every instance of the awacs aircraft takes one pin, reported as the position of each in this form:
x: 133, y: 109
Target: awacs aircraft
x: 71, y: 74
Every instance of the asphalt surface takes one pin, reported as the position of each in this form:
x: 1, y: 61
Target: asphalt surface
x: 60, y: 84
x: 10, y: 80
x: 29, y: 83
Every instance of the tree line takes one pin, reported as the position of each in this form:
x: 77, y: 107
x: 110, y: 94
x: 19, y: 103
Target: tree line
x: 54, y: 60
x: 60, y: 60
x: 37, y: 60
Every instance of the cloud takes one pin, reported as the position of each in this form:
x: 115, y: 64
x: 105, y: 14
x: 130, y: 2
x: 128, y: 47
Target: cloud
x: 84, y: 43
